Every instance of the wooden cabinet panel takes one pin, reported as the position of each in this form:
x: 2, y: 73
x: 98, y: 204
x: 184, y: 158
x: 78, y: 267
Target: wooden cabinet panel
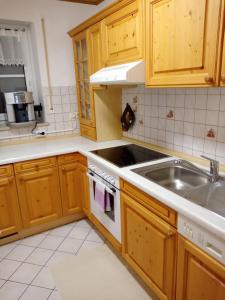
x: 122, y: 35
x: 149, y: 246
x: 199, y: 277
x: 71, y: 188
x: 82, y: 69
x: 88, y: 132
x: 10, y: 219
x: 181, y: 42
x: 39, y: 195
x: 222, y: 76
x: 72, y: 157
x: 35, y: 164
x: 163, y: 211
x: 94, y: 40
x: 6, y: 170
x: 85, y: 190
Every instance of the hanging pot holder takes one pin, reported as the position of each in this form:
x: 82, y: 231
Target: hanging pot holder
x: 128, y: 118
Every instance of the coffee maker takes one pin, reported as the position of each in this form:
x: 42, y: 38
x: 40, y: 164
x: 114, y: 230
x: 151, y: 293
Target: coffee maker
x: 20, y: 108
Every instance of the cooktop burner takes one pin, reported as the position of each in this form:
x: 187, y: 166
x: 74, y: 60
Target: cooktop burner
x: 128, y: 155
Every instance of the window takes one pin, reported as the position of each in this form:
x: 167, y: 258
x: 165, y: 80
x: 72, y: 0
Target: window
x: 18, y: 68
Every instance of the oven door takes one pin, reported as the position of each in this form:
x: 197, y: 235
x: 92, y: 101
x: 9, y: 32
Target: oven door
x: 109, y: 219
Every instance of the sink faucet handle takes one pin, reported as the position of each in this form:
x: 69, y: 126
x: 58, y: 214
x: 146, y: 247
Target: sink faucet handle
x: 214, y: 167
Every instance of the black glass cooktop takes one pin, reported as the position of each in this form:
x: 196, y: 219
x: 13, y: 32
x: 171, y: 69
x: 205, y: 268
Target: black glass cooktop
x: 128, y: 155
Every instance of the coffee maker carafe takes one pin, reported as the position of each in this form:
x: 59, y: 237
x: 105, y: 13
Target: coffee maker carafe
x: 20, y: 108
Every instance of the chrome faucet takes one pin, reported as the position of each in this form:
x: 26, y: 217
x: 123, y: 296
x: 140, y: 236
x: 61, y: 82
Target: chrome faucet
x: 214, y: 168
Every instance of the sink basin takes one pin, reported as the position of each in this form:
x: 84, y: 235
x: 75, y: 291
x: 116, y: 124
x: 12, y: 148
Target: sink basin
x: 188, y: 181
x: 174, y: 175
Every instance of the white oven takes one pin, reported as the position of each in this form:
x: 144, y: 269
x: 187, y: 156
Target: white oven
x: 108, y: 215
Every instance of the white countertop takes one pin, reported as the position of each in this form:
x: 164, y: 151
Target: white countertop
x: 43, y: 148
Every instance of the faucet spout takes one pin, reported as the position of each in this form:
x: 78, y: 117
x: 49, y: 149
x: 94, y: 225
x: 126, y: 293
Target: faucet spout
x: 214, y: 168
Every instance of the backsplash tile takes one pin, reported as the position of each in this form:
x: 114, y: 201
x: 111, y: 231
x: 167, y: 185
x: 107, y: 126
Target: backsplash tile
x: 189, y: 120
x: 60, y: 121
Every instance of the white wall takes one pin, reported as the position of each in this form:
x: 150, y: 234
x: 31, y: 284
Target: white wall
x: 59, y: 17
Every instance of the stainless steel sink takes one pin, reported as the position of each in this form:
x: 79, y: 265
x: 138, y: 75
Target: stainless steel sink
x: 174, y: 175
x: 194, y: 184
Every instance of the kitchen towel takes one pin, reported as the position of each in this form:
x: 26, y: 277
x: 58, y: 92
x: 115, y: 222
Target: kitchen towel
x: 100, y: 195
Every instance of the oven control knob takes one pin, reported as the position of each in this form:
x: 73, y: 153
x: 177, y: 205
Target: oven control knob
x: 92, y: 167
x: 111, y: 180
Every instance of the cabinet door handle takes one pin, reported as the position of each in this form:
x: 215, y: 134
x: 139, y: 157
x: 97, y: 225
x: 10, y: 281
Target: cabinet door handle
x: 223, y: 78
x: 209, y: 79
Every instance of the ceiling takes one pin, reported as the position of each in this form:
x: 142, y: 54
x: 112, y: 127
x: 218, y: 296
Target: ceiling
x: 93, y: 2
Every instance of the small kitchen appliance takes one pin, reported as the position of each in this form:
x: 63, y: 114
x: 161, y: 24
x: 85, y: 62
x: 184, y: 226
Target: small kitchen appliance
x: 20, y: 108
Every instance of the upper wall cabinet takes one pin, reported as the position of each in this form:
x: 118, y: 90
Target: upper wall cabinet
x: 222, y: 75
x: 85, y: 100
x: 94, y: 48
x: 122, y: 35
x: 182, y: 39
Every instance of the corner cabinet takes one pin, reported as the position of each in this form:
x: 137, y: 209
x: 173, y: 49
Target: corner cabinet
x: 182, y: 39
x: 122, y: 35
x: 10, y: 218
x: 199, y: 277
x: 74, y: 184
x: 84, y: 92
x: 149, y: 246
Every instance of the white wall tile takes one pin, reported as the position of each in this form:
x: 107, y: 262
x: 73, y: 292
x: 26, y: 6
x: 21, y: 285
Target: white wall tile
x: 196, y: 111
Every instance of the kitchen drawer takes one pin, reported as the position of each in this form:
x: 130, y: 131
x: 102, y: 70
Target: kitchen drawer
x: 72, y: 157
x: 6, y: 170
x: 149, y: 202
x: 35, y: 165
x: 89, y: 132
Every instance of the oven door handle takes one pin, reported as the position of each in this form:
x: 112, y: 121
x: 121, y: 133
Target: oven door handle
x: 111, y: 191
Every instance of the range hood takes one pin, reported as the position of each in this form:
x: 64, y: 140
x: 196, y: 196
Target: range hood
x: 130, y: 73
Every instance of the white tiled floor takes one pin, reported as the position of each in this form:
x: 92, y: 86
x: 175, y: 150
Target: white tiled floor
x: 24, y: 272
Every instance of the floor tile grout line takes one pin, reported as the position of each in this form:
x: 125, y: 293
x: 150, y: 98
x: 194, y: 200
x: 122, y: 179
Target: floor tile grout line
x: 9, y: 251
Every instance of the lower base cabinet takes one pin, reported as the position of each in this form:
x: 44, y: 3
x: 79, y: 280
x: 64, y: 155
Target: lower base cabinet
x: 10, y: 219
x: 74, y: 188
x: 39, y: 196
x: 199, y: 276
x: 149, y: 246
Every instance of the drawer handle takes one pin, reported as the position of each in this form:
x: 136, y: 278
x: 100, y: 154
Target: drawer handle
x: 209, y: 79
x: 223, y: 78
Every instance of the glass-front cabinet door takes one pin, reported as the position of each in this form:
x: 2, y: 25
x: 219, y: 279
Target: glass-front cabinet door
x: 84, y: 92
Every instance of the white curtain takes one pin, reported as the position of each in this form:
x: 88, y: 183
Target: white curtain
x: 12, y: 47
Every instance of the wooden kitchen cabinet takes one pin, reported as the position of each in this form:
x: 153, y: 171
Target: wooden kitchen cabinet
x: 149, y: 246
x: 122, y: 39
x: 182, y: 40
x: 74, y: 185
x: 199, y: 276
x: 39, y: 196
x: 94, y: 40
x: 222, y: 75
x: 82, y: 69
x: 10, y: 218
